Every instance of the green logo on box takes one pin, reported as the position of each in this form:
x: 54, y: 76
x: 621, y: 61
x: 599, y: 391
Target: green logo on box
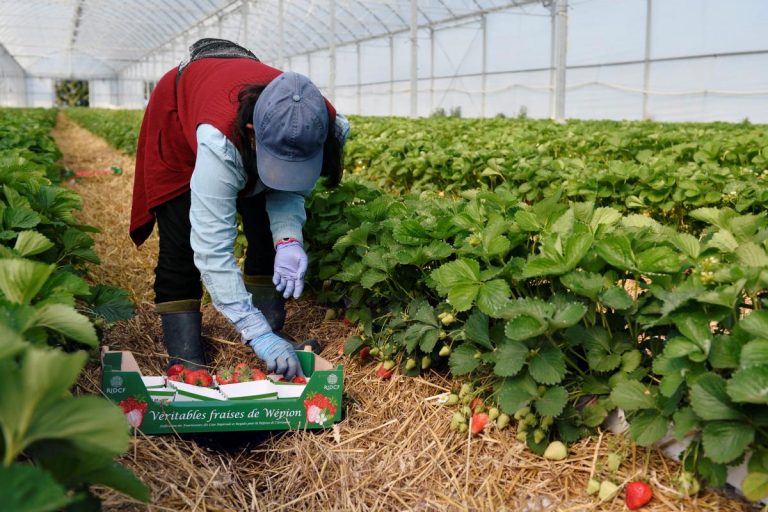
x: 116, y: 381
x: 332, y: 379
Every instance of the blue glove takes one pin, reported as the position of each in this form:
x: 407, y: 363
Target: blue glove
x: 290, y: 267
x: 278, y: 354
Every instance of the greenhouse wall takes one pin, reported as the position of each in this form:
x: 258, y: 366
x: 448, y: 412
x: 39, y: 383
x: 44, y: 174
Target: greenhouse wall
x: 40, y: 92
x: 681, y: 60
x: 13, y: 87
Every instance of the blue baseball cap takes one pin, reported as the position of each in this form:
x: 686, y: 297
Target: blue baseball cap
x: 291, y: 124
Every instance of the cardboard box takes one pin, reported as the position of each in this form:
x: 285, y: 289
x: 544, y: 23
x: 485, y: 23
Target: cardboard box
x: 318, y: 406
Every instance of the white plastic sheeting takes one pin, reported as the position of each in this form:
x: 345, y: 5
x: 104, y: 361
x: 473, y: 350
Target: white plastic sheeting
x: 690, y: 60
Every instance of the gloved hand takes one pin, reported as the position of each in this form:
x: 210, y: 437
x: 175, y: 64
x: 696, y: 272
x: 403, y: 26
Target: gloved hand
x: 278, y: 354
x: 290, y: 267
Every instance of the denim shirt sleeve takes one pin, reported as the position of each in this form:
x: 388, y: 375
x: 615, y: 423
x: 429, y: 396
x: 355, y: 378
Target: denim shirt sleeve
x: 217, y: 179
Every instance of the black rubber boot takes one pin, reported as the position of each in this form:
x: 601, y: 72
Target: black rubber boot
x: 181, y: 333
x: 267, y: 300
x: 271, y: 303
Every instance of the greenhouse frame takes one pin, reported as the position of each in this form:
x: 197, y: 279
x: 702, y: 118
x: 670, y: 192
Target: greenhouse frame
x: 676, y: 60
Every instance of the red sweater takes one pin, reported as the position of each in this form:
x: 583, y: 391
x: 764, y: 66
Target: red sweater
x: 206, y: 93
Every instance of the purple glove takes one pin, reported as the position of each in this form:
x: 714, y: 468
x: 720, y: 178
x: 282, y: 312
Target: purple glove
x: 290, y: 267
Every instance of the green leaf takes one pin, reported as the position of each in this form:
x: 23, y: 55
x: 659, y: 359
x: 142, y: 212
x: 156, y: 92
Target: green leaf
x: 516, y: 392
x: 25, y: 488
x: 352, y: 345
x: 685, y: 421
x: 658, y: 259
x: 20, y: 218
x: 371, y: 277
x: 725, y: 441
x: 725, y: 352
x: 462, y: 360
x: 617, y: 251
x: 552, y: 402
x: 30, y: 243
x: 11, y: 342
x: 586, y: 284
x: 724, y: 241
x: 754, y: 353
x: 683, y: 347
x: 594, y: 414
x: 65, y: 320
x: 648, y: 427
x: 20, y: 279
x: 523, y: 327
x: 568, y: 315
x: 616, y: 298
x: 476, y: 329
x: 510, y: 358
x: 492, y: 296
x: 687, y: 244
x: 547, y: 366
x: 110, y: 303
x: 710, y: 400
x: 631, y: 360
x: 752, y: 255
x: 750, y: 385
x: 460, y: 281
x: 631, y: 395
x: 755, y: 486
x: 756, y: 323
x: 121, y: 479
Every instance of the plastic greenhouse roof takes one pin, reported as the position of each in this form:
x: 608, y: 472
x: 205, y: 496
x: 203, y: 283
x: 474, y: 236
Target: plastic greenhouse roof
x: 97, y: 38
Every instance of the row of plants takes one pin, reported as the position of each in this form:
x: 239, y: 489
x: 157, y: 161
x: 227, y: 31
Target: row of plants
x: 560, y: 312
x: 55, y: 446
x: 120, y: 128
x: 665, y: 169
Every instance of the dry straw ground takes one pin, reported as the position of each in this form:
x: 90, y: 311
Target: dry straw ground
x: 393, y: 450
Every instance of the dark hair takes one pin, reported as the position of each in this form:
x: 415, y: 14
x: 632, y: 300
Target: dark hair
x: 333, y: 150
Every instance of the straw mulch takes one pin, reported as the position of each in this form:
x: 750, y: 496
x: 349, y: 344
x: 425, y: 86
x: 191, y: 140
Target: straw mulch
x: 393, y: 450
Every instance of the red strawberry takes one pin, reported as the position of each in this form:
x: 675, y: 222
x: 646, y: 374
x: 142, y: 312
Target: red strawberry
x: 637, y: 494
x: 347, y: 322
x: 299, y: 380
x: 479, y: 421
x: 383, y: 373
x: 175, y: 369
x: 475, y: 403
x: 364, y: 353
x: 225, y: 376
x: 199, y: 378
x: 175, y: 378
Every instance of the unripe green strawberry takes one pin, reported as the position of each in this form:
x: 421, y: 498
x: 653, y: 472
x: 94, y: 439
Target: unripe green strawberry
x: 453, y: 399
x: 374, y: 351
x: 454, y: 426
x: 530, y: 419
x: 446, y: 318
x: 466, y: 411
x: 502, y: 421
x: 546, y: 422
x: 493, y: 413
x: 445, y: 351
x: 463, y: 428
x: 410, y: 364
x: 556, y: 451
x: 478, y: 355
x: 538, y: 436
x: 389, y: 364
x: 466, y: 389
x: 613, y: 462
x: 522, y: 436
x: 593, y: 486
x: 541, y: 389
x: 426, y: 362
x: 607, y: 490
x: 458, y: 417
x: 520, y: 413
x: 442, y: 334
